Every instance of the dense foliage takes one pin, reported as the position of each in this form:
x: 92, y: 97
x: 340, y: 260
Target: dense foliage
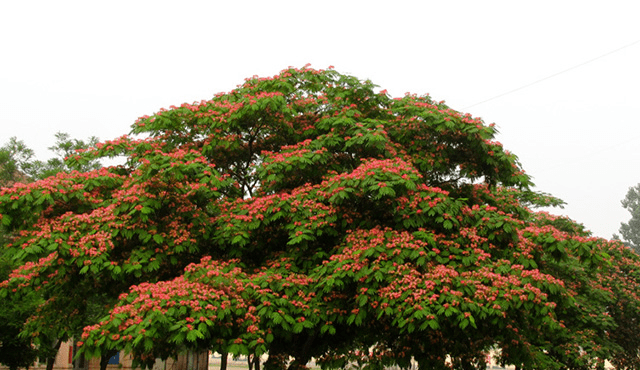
x: 15, y: 351
x: 18, y: 164
x: 307, y: 215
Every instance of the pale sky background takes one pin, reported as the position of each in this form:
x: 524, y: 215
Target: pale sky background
x: 91, y: 68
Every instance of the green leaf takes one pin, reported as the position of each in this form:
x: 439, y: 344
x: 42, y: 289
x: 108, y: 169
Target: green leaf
x: 240, y: 239
x: 148, y: 344
x: 6, y: 219
x: 276, y: 318
x: 464, y: 323
x: 193, y: 335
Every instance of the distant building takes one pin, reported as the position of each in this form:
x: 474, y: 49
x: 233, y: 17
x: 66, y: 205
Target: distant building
x: 121, y: 361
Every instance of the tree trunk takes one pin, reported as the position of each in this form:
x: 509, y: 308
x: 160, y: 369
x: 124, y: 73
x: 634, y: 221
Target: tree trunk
x: 51, y: 360
x: 104, y: 360
x: 224, y: 357
x: 253, y: 362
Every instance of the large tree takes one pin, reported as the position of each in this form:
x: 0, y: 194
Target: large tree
x: 307, y: 215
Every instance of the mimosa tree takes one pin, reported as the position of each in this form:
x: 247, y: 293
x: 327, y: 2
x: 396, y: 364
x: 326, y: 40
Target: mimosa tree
x: 308, y: 215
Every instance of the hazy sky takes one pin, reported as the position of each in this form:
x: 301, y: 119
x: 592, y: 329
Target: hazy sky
x: 91, y: 68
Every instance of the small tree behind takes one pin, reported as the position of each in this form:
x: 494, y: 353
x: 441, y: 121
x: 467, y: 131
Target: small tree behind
x: 18, y: 162
x: 631, y: 230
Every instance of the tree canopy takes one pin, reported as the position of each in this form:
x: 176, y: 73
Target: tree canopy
x: 308, y: 215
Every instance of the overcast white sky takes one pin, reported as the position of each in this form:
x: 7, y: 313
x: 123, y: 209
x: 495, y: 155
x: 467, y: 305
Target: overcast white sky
x: 91, y: 68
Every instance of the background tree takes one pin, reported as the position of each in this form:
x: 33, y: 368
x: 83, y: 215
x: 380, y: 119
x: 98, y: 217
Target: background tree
x: 17, y: 162
x: 63, y: 148
x: 630, y: 231
x: 307, y: 215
